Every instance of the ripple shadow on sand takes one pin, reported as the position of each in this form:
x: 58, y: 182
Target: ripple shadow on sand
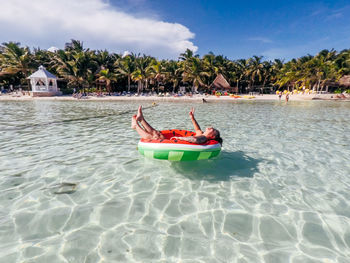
x: 223, y: 168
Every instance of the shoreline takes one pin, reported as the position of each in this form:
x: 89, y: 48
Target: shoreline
x: 195, y: 98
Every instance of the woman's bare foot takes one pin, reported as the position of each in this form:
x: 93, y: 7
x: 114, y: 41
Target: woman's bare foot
x: 133, y: 122
x: 139, y: 116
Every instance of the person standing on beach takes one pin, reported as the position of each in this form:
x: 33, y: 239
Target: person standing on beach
x: 280, y: 96
x: 287, y: 97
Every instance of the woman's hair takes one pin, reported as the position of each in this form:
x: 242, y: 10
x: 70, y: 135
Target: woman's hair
x: 218, y: 138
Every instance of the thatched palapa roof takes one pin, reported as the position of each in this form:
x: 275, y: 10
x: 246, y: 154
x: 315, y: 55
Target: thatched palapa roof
x: 345, y: 80
x: 220, y: 83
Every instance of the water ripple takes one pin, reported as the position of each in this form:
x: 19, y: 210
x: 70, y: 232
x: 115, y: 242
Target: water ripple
x: 73, y: 187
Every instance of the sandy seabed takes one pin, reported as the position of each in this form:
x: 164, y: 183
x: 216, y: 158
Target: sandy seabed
x: 198, y: 98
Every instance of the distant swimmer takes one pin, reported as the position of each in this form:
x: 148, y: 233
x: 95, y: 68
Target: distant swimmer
x: 204, y: 100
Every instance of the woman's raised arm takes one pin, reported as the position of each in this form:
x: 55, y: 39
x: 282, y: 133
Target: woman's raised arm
x: 195, y: 123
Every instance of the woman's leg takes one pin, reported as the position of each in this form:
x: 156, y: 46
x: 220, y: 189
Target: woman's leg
x: 147, y: 130
x: 143, y: 133
x: 142, y: 120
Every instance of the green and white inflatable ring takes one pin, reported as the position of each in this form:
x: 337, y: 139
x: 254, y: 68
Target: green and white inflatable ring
x: 178, y: 150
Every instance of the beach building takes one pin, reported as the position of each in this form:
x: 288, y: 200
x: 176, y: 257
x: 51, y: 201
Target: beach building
x: 44, y: 83
x: 345, y: 81
x: 220, y: 84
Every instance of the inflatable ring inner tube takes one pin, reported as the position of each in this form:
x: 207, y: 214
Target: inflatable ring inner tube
x: 178, y: 150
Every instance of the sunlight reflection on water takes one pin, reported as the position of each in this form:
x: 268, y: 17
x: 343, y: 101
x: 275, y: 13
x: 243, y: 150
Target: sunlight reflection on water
x: 74, y: 188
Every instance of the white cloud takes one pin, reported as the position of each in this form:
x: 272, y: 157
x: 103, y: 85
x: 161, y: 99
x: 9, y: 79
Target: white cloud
x: 98, y: 24
x: 334, y: 15
x: 261, y: 39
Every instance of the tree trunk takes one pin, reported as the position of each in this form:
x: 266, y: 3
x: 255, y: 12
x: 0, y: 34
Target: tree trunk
x: 264, y: 83
x: 128, y: 83
x: 263, y: 86
x: 28, y: 81
x: 139, y: 86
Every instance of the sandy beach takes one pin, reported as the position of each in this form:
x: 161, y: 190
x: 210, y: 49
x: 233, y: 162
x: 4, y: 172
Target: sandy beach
x: 194, y: 98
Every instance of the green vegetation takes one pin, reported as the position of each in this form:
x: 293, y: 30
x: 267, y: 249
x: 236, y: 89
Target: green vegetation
x: 85, y: 69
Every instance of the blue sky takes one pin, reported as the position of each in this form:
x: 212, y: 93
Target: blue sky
x: 164, y: 28
x: 273, y: 29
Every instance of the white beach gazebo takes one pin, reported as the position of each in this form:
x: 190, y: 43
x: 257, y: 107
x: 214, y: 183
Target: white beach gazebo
x: 43, y: 83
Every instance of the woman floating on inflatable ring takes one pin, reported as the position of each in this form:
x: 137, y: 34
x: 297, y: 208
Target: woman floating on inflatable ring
x: 146, y: 131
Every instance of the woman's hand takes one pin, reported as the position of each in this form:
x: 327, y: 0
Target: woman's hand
x: 191, y: 113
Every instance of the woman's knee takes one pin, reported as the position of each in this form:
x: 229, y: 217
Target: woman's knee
x: 150, y: 137
x: 157, y: 135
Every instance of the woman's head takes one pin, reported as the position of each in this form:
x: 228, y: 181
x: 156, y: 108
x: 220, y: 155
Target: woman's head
x: 213, y: 134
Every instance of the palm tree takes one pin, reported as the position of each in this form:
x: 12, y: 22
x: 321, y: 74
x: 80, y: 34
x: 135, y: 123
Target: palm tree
x: 173, y: 73
x: 82, y: 67
x: 210, y: 66
x: 320, y: 69
x: 45, y: 58
x: 16, y: 60
x: 222, y: 64
x: 141, y: 73
x: 342, y: 63
x: 195, y: 73
x: 105, y: 75
x: 187, y: 55
x: 106, y: 60
x: 255, y: 70
x: 157, y: 72
x: 240, y: 69
x: 126, y: 66
x: 76, y: 65
x: 75, y: 45
x: 267, y: 72
x: 288, y: 74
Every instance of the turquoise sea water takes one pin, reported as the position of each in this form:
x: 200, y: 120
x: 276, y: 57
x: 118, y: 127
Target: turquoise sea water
x: 73, y: 187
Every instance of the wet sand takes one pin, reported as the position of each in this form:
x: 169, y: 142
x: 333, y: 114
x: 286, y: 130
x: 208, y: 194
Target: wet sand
x: 195, y: 98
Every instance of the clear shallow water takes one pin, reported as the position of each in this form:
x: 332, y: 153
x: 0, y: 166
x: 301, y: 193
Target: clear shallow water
x: 74, y: 189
